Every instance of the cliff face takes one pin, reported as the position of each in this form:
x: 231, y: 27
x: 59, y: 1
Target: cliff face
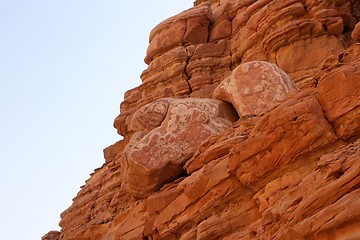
x: 246, y: 126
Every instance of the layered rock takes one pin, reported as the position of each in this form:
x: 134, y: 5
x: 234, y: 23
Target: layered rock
x: 209, y: 64
x: 273, y: 135
x: 286, y: 169
x: 169, y: 131
x: 190, y: 27
x: 192, y: 52
x: 171, y: 44
x: 338, y: 93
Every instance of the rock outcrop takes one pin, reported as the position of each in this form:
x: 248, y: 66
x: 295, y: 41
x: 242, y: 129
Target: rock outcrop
x: 255, y: 87
x: 246, y: 126
x: 338, y: 93
x: 52, y: 235
x: 169, y: 132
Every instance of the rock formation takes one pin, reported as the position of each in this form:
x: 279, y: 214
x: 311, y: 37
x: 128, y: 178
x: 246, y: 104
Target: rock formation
x: 246, y: 126
x: 52, y: 235
x: 156, y: 156
x: 255, y: 87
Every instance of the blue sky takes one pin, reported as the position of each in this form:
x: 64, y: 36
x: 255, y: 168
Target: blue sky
x: 64, y: 67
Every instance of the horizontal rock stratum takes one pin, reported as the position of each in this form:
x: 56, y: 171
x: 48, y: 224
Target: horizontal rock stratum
x: 246, y: 126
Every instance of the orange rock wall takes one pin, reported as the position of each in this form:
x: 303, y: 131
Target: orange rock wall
x: 199, y: 47
x: 290, y: 173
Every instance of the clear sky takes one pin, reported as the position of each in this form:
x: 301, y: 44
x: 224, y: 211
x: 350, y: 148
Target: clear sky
x: 64, y: 67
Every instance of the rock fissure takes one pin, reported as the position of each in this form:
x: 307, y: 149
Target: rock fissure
x: 186, y: 73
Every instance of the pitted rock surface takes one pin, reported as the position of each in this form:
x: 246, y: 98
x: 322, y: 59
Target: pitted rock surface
x: 158, y: 156
x: 255, y: 87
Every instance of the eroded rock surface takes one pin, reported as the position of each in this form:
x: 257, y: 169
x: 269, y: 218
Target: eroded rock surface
x: 255, y: 87
x: 52, y: 235
x: 356, y: 33
x: 339, y: 93
x: 189, y: 27
x: 178, y: 127
x: 191, y: 53
x: 290, y: 171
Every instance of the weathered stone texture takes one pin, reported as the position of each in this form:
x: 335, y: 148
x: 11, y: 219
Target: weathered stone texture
x: 253, y: 88
x: 188, y: 27
x: 198, y: 48
x: 339, y: 93
x: 178, y: 126
x: 286, y: 166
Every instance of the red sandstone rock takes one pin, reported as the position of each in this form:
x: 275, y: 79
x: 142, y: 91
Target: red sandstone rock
x: 338, y: 93
x: 288, y: 33
x: 327, y: 199
x: 89, y: 206
x: 356, y: 33
x: 270, y: 141
x: 209, y: 63
x: 52, y: 235
x: 254, y: 88
x: 165, y: 77
x: 157, y: 157
x: 188, y: 27
x: 290, y: 172
x: 297, y: 36
x: 151, y: 115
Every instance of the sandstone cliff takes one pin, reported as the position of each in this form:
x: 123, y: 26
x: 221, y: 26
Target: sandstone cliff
x: 246, y: 126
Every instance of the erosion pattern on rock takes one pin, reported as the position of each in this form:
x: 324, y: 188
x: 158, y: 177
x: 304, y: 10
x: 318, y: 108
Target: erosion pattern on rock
x: 255, y: 87
x: 179, y: 126
x: 287, y: 169
x: 190, y: 53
